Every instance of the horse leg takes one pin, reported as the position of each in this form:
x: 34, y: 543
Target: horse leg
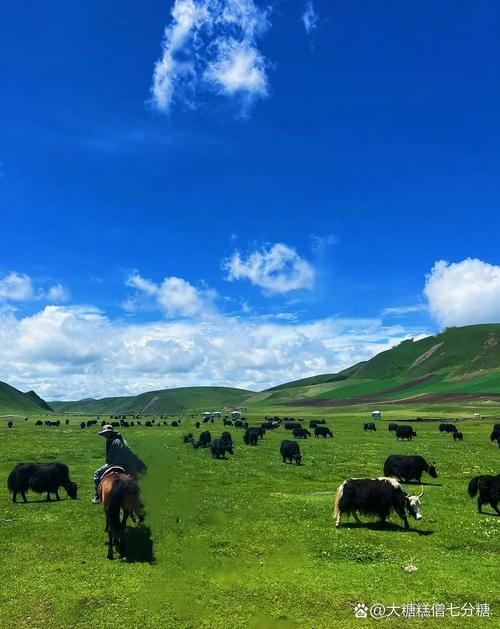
x: 124, y: 520
x: 110, y: 538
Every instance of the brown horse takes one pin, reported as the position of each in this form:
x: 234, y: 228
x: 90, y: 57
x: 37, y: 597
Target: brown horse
x: 120, y: 492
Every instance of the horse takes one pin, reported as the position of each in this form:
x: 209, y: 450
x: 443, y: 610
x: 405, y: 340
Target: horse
x: 120, y: 492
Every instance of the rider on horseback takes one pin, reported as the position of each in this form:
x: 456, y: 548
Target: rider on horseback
x: 118, y: 454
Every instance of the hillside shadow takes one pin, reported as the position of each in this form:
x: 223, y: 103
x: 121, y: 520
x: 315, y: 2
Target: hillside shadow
x: 138, y: 545
x: 387, y: 527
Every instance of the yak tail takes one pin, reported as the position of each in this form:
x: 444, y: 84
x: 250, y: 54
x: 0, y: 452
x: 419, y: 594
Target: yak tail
x: 473, y: 486
x: 11, y: 481
x: 338, y: 496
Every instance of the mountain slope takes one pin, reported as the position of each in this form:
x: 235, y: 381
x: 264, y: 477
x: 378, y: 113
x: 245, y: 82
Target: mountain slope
x: 163, y: 401
x: 14, y: 401
x: 458, y: 363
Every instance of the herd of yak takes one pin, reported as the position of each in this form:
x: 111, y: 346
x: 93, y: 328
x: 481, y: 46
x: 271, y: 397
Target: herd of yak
x: 377, y: 496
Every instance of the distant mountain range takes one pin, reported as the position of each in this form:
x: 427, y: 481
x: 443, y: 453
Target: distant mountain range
x: 457, y: 364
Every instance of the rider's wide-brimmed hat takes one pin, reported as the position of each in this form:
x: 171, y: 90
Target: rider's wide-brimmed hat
x: 107, y: 430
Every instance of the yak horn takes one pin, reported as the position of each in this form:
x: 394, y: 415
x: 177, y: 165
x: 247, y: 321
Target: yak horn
x: 422, y: 493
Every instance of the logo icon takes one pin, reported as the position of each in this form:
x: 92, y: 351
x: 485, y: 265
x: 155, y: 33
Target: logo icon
x: 360, y: 610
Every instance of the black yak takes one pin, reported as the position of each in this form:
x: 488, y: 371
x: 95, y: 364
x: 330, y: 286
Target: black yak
x: 406, y: 467
x: 322, y: 431
x: 219, y: 447
x: 251, y: 437
x: 377, y: 496
x: 392, y: 427
x: 301, y: 433
x: 447, y: 428
x: 290, y: 450
x: 204, y: 440
x: 405, y: 432
x: 488, y: 488
x: 458, y: 436
x: 41, y: 478
x: 369, y: 426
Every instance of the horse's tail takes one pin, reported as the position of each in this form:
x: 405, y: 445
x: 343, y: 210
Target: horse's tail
x: 114, y: 506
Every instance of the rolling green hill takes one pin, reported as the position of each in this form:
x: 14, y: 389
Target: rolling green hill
x: 163, y: 401
x: 13, y: 401
x: 459, y: 364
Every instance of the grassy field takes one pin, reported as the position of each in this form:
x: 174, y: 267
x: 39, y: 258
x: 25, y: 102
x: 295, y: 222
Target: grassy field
x: 248, y: 542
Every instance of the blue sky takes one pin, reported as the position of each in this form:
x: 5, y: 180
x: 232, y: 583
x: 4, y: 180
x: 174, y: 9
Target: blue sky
x: 229, y: 192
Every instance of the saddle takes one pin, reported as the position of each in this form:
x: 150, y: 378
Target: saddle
x: 114, y: 469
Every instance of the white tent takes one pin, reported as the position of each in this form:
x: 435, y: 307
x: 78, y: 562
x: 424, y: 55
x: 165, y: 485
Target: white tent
x: 376, y: 415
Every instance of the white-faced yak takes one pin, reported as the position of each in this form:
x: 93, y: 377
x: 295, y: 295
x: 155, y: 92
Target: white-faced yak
x: 375, y: 496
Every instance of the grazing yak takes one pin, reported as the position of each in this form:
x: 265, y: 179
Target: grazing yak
x: 204, y: 440
x: 378, y: 496
x: 291, y: 425
x: 250, y: 437
x: 82, y: 425
x: 219, y: 447
x: 10, y: 424
x: 39, y: 422
x: 458, y: 436
x: 495, y: 435
x: 226, y: 437
x: 392, y: 427
x: 322, y: 431
x: 369, y: 426
x: 315, y: 422
x: 290, y: 450
x: 447, y: 428
x: 405, y: 432
x: 489, y: 491
x: 188, y: 438
x: 40, y: 478
x: 301, y: 433
x: 405, y: 467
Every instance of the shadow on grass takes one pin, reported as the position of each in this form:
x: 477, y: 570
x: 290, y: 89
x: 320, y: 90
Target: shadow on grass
x: 421, y: 484
x: 387, y: 527
x: 43, y: 500
x: 138, y: 545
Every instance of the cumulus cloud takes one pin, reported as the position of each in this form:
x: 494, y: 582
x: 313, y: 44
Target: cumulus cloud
x: 276, y: 269
x: 464, y: 293
x: 176, y: 297
x: 20, y: 287
x: 310, y: 17
x: 57, y: 293
x: 73, y: 352
x: 211, y: 45
x: 16, y: 287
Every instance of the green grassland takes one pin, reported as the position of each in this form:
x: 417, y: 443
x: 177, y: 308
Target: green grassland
x: 249, y: 542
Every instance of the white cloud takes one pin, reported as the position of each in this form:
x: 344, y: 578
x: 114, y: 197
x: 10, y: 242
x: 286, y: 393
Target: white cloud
x: 310, y: 17
x: 176, y: 297
x: 211, y: 45
x: 402, y: 310
x: 57, y: 294
x: 74, y: 352
x: 278, y: 269
x: 464, y: 293
x: 16, y: 287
